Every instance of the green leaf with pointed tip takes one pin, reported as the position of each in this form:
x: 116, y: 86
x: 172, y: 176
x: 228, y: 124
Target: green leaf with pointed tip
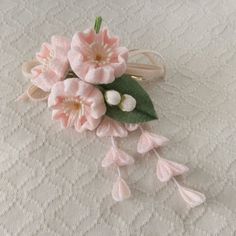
x: 144, y: 110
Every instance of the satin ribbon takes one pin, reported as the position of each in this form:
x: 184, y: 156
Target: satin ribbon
x: 138, y: 71
x: 146, y: 71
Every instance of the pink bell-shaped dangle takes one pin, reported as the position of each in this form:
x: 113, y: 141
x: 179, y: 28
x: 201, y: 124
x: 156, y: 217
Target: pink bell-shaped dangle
x: 166, y: 169
x: 118, y: 157
x: 120, y: 190
x: 149, y: 141
x: 191, y: 197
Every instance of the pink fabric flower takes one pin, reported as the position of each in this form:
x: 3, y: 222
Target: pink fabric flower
x: 118, y: 157
x: 53, y: 63
x: 120, y: 190
x: 149, y: 141
x: 76, y: 103
x: 109, y: 127
x: 167, y: 169
x: 97, y: 58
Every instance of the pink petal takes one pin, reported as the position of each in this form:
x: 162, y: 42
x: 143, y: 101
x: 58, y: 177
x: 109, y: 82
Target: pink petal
x: 119, y: 63
x: 120, y: 190
x: 44, y: 79
x: 89, y: 123
x: 60, y: 42
x: 58, y: 115
x: 167, y: 169
x: 78, y: 63
x: 60, y: 67
x: 108, y: 39
x: 110, y: 127
x: 88, y: 36
x: 44, y: 52
x: 96, y: 105
x: 149, y: 141
x: 100, y: 75
x: 191, y: 197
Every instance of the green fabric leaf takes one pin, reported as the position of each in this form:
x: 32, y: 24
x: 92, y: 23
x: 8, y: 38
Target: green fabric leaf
x: 144, y: 110
x: 98, y: 23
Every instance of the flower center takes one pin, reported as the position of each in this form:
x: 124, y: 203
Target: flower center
x: 98, y: 57
x: 72, y: 105
x: 100, y: 53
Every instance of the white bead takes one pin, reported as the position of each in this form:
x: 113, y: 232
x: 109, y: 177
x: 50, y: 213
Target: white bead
x: 128, y: 103
x: 112, y: 97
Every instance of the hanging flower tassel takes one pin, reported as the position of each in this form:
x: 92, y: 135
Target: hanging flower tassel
x: 166, y: 169
x: 117, y: 157
x: 120, y: 190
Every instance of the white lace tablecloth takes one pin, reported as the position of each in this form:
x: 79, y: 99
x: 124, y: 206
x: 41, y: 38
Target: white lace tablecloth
x: 51, y: 181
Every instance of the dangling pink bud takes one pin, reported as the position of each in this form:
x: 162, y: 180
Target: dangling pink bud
x: 167, y: 169
x: 149, y: 141
x: 118, y: 157
x: 191, y: 197
x: 120, y: 190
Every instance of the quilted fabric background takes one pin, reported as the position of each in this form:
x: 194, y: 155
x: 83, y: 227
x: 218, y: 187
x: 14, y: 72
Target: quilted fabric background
x: 51, y: 182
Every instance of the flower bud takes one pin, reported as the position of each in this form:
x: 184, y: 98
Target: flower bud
x: 128, y: 103
x: 112, y: 97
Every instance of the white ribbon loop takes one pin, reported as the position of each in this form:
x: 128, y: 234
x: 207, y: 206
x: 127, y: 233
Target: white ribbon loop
x: 147, y: 71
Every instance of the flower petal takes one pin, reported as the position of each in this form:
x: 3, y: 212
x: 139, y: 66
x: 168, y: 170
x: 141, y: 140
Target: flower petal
x: 60, y: 42
x: 120, y: 190
x: 44, y: 52
x: 100, y: 75
x: 44, y: 79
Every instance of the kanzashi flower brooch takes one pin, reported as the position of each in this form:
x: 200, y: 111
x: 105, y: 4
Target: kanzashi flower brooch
x: 89, y: 85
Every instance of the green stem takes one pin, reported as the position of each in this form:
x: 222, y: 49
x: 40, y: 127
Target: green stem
x: 98, y: 23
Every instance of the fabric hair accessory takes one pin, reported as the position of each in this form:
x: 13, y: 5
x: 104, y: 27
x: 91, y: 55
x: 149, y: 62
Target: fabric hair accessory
x: 90, y: 84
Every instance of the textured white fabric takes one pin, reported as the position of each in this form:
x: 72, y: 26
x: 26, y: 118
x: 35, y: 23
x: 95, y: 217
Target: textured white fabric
x: 51, y: 181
